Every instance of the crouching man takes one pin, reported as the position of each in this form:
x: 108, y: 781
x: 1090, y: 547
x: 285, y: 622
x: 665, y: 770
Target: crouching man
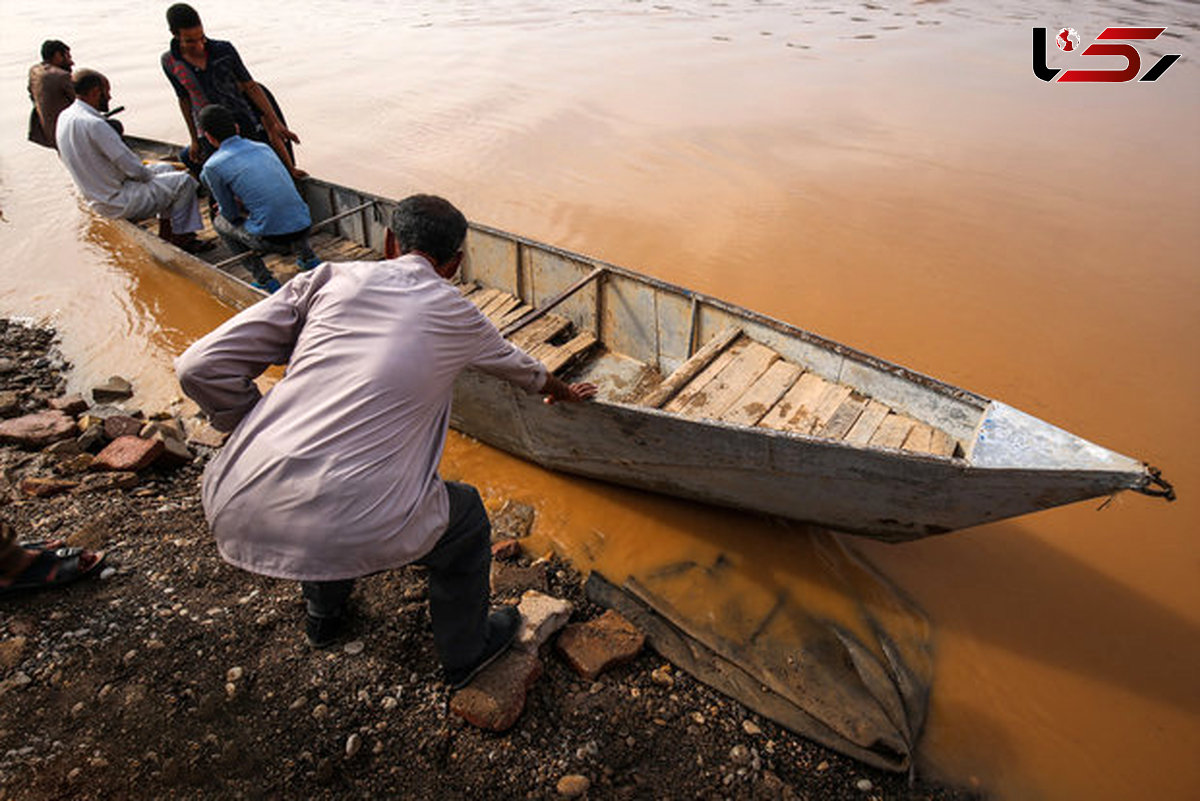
x: 332, y: 474
x: 113, y: 178
x: 260, y: 209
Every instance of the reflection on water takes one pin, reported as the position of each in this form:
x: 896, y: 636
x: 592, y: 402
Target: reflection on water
x: 887, y: 174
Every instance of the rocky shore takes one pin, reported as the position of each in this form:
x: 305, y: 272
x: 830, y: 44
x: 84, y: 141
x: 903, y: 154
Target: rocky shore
x: 173, y: 675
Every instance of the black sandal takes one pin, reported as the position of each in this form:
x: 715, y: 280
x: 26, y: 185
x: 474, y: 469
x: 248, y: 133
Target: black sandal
x: 53, y: 568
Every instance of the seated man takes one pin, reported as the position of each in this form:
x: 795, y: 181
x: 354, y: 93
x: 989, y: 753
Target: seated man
x: 333, y: 474
x: 260, y: 209
x: 50, y: 90
x: 204, y: 71
x: 113, y: 178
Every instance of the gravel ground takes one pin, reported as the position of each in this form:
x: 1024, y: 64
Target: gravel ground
x: 178, y: 676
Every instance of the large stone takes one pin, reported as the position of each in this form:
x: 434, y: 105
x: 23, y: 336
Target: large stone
x: 10, y: 403
x: 69, y: 404
x: 114, y: 389
x: 79, y: 463
x: 37, y: 430
x: 92, y: 439
x: 496, y: 698
x: 168, y: 427
x: 506, y: 550
x: 12, y: 652
x: 45, y: 486
x: 595, y: 646
x: 510, y: 579
x: 128, y: 453
x: 206, y: 436
x: 122, y: 425
x: 513, y: 521
x: 541, y: 616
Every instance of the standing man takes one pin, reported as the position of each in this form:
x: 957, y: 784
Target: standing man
x: 260, y: 209
x: 333, y: 474
x: 113, y: 178
x: 203, y: 71
x: 50, y: 90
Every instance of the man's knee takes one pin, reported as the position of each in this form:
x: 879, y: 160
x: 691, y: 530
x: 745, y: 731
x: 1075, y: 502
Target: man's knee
x: 468, y: 513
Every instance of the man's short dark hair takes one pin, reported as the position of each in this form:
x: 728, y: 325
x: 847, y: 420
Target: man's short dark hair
x: 180, y: 17
x: 84, y: 81
x: 51, y: 48
x: 217, y: 121
x: 429, y: 224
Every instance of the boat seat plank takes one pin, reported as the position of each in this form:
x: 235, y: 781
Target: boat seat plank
x: 868, y: 422
x: 919, y: 439
x: 843, y: 418
x: 539, y: 331
x: 498, y: 301
x: 690, y: 368
x: 941, y: 443
x: 467, y: 288
x: 731, y: 383
x: 893, y: 431
x: 813, y: 418
x: 514, y: 314
x: 484, y: 296
x: 804, y: 394
x: 756, y: 401
x: 563, y: 355
x: 497, y: 311
x: 714, y: 368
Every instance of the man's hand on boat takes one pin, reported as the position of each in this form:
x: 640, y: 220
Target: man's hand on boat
x: 557, y: 390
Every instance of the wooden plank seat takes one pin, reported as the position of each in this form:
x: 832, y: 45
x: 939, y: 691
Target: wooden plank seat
x: 546, y: 338
x: 734, y: 379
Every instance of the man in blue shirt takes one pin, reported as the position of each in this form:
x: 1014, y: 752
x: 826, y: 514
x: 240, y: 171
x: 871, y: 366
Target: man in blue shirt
x: 260, y: 209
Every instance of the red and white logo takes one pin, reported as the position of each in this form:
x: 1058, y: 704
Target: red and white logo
x: 1067, y: 40
x: 1110, y: 42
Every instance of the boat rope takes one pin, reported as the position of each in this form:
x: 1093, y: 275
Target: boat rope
x: 1155, y: 480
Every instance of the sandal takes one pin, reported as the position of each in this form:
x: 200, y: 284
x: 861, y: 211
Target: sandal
x: 53, y: 568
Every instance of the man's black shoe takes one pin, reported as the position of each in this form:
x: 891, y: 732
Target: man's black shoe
x: 502, y: 628
x: 323, y: 632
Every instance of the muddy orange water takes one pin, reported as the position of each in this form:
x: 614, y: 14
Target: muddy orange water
x: 891, y: 175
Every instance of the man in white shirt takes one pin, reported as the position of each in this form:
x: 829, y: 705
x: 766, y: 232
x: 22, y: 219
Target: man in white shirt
x: 332, y: 474
x: 113, y: 178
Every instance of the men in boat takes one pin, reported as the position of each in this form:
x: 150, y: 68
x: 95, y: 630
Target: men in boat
x: 113, y: 178
x: 50, y: 90
x: 260, y: 209
x: 333, y: 474
x: 204, y: 71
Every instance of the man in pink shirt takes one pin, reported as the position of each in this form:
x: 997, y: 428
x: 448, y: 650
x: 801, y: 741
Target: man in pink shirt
x: 332, y: 474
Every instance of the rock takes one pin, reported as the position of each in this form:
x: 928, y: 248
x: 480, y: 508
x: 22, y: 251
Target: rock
x: 169, y: 428
x: 573, y: 786
x: 751, y: 728
x: 121, y: 425
x: 865, y: 785
x: 10, y: 403
x: 353, y: 744
x: 206, y: 436
x: 92, y: 439
x: 37, y: 430
x: 45, y: 486
x: 69, y: 404
x: 541, y: 616
x: 7, y: 366
x: 513, y: 521
x: 130, y: 453
x: 92, y: 535
x: 107, y: 573
x: 595, y: 646
x: 496, y: 698
x: 114, y: 389
x: 64, y: 448
x: 12, y: 651
x: 106, y: 482
x: 320, y: 712
x: 506, y: 550
x: 739, y: 755
x: 18, y: 679
x: 174, y: 452
x: 234, y: 673
x: 662, y: 676
x: 354, y: 647
x: 79, y: 463
x: 509, y: 579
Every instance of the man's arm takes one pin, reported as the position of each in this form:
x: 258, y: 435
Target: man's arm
x: 221, y: 192
x: 115, y: 150
x: 499, y: 357
x: 185, y: 108
x: 218, y: 370
x: 277, y: 133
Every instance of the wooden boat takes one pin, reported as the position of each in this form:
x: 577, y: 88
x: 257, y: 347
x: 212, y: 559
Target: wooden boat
x: 702, y: 399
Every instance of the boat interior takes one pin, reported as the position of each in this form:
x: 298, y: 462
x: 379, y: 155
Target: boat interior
x: 647, y: 343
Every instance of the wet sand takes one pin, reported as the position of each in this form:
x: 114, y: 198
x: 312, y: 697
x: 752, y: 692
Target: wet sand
x: 918, y: 194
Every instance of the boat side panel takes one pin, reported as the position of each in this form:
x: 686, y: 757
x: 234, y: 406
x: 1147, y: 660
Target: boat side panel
x: 893, y: 495
x: 491, y: 261
x: 674, y: 312
x: 810, y: 356
x: 549, y: 274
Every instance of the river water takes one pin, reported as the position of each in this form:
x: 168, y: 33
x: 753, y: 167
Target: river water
x: 891, y: 175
